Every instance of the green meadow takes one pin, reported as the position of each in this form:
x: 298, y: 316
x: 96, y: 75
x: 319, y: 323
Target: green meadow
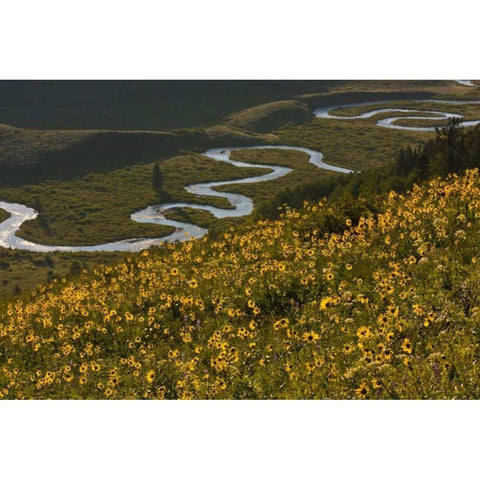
x: 87, y: 169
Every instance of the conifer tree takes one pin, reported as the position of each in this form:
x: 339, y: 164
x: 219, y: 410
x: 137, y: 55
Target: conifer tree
x: 157, y: 178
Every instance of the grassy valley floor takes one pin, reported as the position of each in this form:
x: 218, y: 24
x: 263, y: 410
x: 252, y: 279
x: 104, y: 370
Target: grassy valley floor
x: 97, y: 179
x: 3, y: 215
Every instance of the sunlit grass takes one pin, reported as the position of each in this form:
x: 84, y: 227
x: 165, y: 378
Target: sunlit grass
x: 3, y: 215
x: 89, y: 207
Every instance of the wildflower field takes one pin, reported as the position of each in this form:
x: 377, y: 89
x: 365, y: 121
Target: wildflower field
x: 385, y: 307
x: 106, y: 154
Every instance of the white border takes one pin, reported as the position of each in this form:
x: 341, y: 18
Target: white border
x: 251, y: 39
x: 240, y: 440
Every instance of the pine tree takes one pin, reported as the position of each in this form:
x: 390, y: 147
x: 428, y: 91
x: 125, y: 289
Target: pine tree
x: 157, y: 178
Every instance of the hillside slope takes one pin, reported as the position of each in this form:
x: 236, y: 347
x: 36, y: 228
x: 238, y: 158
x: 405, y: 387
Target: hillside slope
x: 267, y: 117
x: 34, y: 155
x: 384, y: 308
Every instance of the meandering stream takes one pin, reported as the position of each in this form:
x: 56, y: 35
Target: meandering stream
x: 241, y: 204
x: 466, y: 83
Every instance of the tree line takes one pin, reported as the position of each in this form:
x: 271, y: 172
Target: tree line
x: 453, y: 150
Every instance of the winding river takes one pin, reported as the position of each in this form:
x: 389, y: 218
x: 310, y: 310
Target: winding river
x: 466, y: 83
x: 241, y: 204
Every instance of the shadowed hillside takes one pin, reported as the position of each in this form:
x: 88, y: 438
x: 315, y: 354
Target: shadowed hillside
x: 33, y: 155
x: 161, y: 105
x: 138, y: 105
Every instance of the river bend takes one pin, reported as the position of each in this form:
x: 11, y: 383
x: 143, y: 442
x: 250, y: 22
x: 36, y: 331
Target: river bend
x: 241, y: 205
